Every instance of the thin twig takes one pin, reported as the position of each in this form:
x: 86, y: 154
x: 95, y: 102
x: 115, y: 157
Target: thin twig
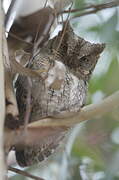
x: 28, y: 105
x: 24, y: 173
x: 64, y: 30
x: 11, y: 13
x: 45, y: 3
x: 92, y: 8
x: 45, y: 32
x: 59, y: 5
x: 19, y: 38
x: 20, y: 69
x: 37, y: 32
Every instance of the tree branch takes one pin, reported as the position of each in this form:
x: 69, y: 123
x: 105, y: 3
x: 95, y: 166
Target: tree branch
x: 91, y: 9
x: 12, y: 111
x: 2, y: 100
x: 87, y: 113
x: 38, y: 130
x: 24, y: 173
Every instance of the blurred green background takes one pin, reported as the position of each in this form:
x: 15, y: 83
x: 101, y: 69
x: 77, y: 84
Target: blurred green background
x: 92, y: 149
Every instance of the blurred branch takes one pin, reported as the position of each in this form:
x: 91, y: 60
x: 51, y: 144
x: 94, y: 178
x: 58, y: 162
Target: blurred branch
x: 23, y: 173
x: 18, y: 38
x: 11, y: 104
x: 2, y: 101
x: 40, y: 129
x: 91, y: 9
x: 10, y: 16
x: 59, y: 5
x: 88, y: 112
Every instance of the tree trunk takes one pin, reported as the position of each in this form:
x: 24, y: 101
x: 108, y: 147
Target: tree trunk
x: 2, y: 102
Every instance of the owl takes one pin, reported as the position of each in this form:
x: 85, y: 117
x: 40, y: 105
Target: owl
x: 62, y: 87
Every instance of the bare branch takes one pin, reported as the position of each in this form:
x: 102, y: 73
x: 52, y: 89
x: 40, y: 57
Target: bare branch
x: 18, y: 38
x: 10, y: 16
x: 11, y: 104
x: 91, y: 9
x: 24, y: 173
x: 28, y: 105
x: 20, y: 69
x: 59, y: 5
x: 38, y: 130
x: 88, y: 112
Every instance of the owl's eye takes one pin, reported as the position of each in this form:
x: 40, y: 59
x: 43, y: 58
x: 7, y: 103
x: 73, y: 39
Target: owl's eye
x: 84, y: 59
x: 84, y: 62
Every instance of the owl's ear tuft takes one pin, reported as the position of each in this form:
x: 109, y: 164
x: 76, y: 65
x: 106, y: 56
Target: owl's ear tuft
x: 99, y: 48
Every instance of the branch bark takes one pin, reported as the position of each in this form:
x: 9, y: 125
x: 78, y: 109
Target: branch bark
x: 65, y: 121
x: 2, y: 101
x: 24, y: 173
x: 91, y: 9
x: 87, y: 113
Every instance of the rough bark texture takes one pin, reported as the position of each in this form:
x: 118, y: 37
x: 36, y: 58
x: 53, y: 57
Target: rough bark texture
x: 2, y: 100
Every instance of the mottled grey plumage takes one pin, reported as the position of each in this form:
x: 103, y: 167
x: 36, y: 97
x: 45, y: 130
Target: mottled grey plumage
x: 63, y: 89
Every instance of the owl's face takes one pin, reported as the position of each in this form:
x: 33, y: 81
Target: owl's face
x: 78, y: 55
x: 86, y: 62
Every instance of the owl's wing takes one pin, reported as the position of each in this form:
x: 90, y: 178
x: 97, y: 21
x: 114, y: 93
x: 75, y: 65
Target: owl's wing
x: 42, y: 149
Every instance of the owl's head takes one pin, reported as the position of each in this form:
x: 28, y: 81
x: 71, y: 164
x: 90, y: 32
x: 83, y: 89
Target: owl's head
x: 86, y: 59
x: 79, y: 55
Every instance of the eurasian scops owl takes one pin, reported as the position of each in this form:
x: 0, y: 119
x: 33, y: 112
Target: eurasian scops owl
x: 62, y: 89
